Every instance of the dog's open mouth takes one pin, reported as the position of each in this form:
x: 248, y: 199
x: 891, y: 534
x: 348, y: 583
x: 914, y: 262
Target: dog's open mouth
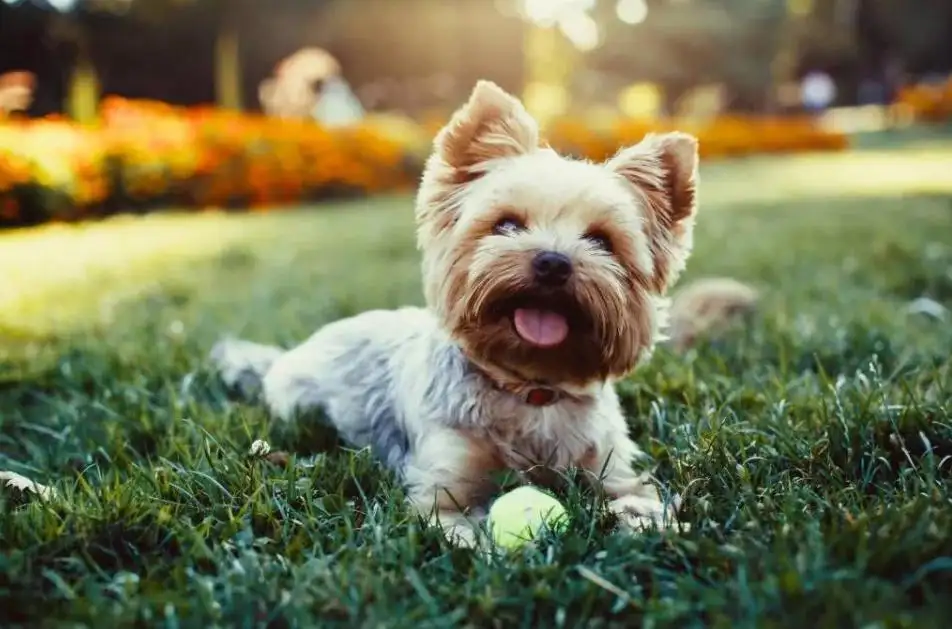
x: 542, y: 320
x: 542, y: 328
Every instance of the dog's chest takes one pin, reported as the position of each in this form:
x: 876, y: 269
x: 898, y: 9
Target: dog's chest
x: 549, y: 437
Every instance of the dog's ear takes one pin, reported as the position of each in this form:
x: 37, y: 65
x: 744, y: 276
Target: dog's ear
x: 663, y: 171
x: 492, y: 124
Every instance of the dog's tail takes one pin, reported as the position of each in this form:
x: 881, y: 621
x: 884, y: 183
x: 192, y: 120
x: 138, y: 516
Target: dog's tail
x: 242, y: 365
x: 707, y: 307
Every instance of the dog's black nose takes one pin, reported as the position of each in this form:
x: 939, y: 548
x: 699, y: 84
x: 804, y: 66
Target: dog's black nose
x: 551, y: 268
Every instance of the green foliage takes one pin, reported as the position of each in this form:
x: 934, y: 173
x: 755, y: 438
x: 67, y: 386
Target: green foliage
x: 730, y: 41
x: 812, y: 448
x: 750, y: 44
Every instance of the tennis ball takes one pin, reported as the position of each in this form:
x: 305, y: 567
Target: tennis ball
x: 516, y: 517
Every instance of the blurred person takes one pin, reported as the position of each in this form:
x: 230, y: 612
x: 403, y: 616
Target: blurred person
x: 308, y: 84
x: 16, y: 92
x: 337, y: 104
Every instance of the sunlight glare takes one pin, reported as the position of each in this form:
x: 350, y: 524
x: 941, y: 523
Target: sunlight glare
x: 581, y: 30
x: 549, y: 12
x: 631, y: 11
x: 63, y: 6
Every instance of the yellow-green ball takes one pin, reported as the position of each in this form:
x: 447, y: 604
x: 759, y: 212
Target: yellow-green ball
x: 516, y: 517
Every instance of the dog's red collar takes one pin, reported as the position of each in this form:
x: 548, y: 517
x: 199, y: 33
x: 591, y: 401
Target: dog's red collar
x: 535, y: 396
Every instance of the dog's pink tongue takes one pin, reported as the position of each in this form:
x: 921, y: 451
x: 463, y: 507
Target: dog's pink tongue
x: 540, y: 327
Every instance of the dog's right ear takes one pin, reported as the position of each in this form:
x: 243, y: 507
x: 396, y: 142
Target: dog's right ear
x: 493, y: 124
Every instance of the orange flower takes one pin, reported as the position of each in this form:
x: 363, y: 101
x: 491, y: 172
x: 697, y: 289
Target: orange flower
x: 928, y: 102
x: 208, y: 157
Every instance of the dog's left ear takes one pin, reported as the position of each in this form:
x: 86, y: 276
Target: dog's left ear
x: 662, y: 168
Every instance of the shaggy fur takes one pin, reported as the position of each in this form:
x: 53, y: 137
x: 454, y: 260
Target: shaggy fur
x: 449, y: 394
x: 707, y: 307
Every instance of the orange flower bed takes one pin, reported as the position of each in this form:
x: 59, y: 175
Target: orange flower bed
x: 145, y: 155
x: 227, y: 158
x: 728, y: 136
x: 928, y: 102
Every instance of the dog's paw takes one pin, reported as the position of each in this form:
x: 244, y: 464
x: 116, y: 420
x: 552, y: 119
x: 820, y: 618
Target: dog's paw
x: 241, y: 365
x: 640, y: 513
x: 460, y: 535
x: 459, y: 530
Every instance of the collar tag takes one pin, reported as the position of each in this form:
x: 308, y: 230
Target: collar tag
x: 540, y: 397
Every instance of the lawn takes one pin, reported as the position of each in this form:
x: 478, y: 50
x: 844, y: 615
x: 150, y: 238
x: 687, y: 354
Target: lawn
x: 813, y: 449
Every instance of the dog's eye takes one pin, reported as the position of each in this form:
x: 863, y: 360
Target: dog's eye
x: 507, y: 226
x: 599, y: 240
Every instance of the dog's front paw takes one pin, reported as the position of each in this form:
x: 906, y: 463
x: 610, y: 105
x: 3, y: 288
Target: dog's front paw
x: 457, y: 529
x: 460, y: 535
x: 640, y: 513
x: 241, y: 365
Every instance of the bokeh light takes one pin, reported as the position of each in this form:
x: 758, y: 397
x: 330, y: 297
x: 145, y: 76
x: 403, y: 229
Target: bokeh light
x: 632, y: 11
x: 580, y: 29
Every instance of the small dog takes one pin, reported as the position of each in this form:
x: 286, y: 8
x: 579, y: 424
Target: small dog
x: 545, y: 281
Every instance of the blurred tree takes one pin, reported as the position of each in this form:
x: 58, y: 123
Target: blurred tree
x: 68, y: 28
x: 752, y: 46
x: 72, y: 26
x: 681, y: 45
x: 228, y: 55
x: 227, y: 18
x: 916, y: 32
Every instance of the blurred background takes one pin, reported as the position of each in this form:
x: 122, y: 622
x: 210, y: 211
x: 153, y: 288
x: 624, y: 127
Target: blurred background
x: 172, y: 171
x: 115, y: 105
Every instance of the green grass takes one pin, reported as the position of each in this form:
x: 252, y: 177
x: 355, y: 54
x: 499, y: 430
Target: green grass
x: 813, y: 448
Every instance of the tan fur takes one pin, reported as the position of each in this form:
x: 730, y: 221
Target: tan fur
x: 445, y: 395
x: 642, y: 199
x: 488, y: 164
x: 708, y: 307
x: 450, y: 476
x: 663, y: 172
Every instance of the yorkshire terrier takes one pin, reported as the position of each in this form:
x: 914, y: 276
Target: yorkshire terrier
x: 545, y: 281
